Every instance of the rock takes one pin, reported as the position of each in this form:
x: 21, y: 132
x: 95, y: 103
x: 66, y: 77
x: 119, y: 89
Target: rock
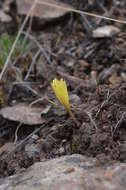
x: 105, y: 31
x: 74, y: 99
x: 32, y: 150
x: 74, y: 172
x: 71, y: 64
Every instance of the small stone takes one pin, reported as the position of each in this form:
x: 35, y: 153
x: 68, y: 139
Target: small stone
x: 33, y: 139
x: 32, y: 150
x: 123, y: 75
x: 105, y: 31
x: 60, y: 111
x: 74, y: 99
x: 70, y: 64
x: 61, y: 151
x: 83, y: 64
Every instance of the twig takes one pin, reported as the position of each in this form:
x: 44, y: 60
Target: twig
x: 106, y: 12
x: 91, y: 119
x: 32, y: 64
x: 24, y: 55
x: 36, y: 101
x: 101, y: 6
x: 80, y: 12
x: 24, y: 141
x: 73, y: 118
x: 16, y: 40
x: 118, y: 123
x: 105, y: 101
x: 16, y: 137
x: 24, y: 85
x: 72, y: 79
x: 41, y: 99
x: 86, y: 24
x: 39, y: 45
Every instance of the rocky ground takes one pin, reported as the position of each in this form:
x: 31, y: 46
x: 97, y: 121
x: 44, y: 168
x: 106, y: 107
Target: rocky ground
x: 74, y: 172
x: 89, y: 53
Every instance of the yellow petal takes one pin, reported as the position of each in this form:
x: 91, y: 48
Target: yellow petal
x: 60, y: 89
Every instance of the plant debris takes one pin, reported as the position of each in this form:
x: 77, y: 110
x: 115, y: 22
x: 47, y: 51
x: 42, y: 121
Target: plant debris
x: 23, y: 113
x: 94, y: 69
x: 42, y: 11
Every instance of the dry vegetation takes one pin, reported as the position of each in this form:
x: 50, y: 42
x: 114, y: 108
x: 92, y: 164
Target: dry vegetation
x: 34, y: 126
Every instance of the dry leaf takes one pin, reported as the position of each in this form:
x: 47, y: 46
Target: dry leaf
x: 42, y: 11
x: 115, y: 79
x: 6, y: 147
x: 23, y: 113
x: 4, y: 17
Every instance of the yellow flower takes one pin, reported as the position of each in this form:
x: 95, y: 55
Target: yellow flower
x: 60, y: 89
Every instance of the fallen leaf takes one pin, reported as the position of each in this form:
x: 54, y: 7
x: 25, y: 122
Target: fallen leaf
x: 115, y: 79
x: 41, y: 10
x: 6, y: 5
x: 83, y: 64
x: 23, y: 113
x: 6, y: 147
x: 4, y: 17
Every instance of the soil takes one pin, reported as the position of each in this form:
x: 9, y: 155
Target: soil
x: 95, y: 73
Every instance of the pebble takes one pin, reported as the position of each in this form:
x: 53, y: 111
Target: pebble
x: 105, y: 31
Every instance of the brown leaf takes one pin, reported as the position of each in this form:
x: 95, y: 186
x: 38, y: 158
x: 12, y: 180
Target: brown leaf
x: 115, y: 79
x: 42, y: 11
x: 4, y: 17
x: 23, y: 113
x: 83, y: 64
x: 6, y: 147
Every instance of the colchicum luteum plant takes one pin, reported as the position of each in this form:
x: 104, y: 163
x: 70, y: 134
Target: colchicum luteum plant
x: 61, y: 92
